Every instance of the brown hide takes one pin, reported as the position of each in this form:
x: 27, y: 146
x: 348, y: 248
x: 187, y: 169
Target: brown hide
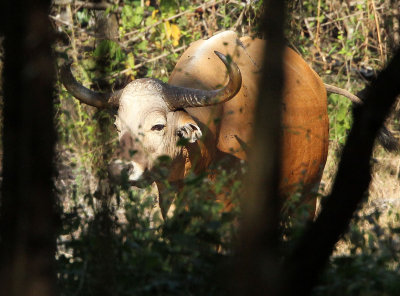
x: 305, y: 119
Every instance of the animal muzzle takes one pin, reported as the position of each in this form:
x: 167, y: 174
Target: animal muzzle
x: 125, y: 172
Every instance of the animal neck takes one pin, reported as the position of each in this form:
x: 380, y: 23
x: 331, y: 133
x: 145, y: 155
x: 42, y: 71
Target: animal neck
x: 194, y: 158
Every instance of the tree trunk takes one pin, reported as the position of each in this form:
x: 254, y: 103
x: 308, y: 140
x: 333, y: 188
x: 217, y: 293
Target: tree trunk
x: 28, y: 220
x: 258, y: 267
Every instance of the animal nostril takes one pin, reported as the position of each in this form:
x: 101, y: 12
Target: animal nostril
x: 121, y: 171
x: 129, y: 167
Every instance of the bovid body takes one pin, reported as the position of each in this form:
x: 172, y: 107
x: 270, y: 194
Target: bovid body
x: 209, y: 102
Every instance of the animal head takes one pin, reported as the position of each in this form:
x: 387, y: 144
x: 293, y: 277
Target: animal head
x: 151, y: 116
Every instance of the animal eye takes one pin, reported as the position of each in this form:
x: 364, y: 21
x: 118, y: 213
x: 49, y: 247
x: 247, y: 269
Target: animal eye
x: 158, y: 127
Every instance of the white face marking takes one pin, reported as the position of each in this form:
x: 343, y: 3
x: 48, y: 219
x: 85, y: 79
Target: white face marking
x: 136, y: 171
x: 148, y: 127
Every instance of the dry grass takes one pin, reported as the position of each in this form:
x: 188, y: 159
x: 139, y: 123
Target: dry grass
x: 384, y: 190
x: 385, y: 185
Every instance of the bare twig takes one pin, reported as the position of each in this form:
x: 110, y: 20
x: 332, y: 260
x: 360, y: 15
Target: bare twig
x: 316, y: 40
x: 206, y: 27
x: 204, y: 6
x: 332, y: 14
x: 309, y: 28
x: 237, y: 2
x: 59, y: 20
x: 73, y: 42
x: 90, y: 5
x: 396, y: 26
x: 318, y: 25
x: 160, y: 57
x: 149, y: 61
x: 378, y: 31
x: 239, y: 20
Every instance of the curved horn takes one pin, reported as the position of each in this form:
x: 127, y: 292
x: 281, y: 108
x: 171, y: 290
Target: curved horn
x: 182, y: 97
x: 85, y: 95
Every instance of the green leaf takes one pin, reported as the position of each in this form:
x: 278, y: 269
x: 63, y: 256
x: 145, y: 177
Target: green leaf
x: 342, y: 114
x: 142, y: 45
x: 168, y: 6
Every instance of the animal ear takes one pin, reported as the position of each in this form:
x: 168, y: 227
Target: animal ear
x: 189, y: 131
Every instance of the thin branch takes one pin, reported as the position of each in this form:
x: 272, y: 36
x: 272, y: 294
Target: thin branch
x: 239, y: 20
x: 378, y: 31
x: 90, y: 5
x: 331, y: 14
x: 318, y: 25
x: 73, y: 42
x: 309, y: 29
x: 204, y: 6
x: 149, y: 61
x: 396, y: 26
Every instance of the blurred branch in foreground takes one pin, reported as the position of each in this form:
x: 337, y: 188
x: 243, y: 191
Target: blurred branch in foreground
x: 258, y: 263
x: 28, y: 220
